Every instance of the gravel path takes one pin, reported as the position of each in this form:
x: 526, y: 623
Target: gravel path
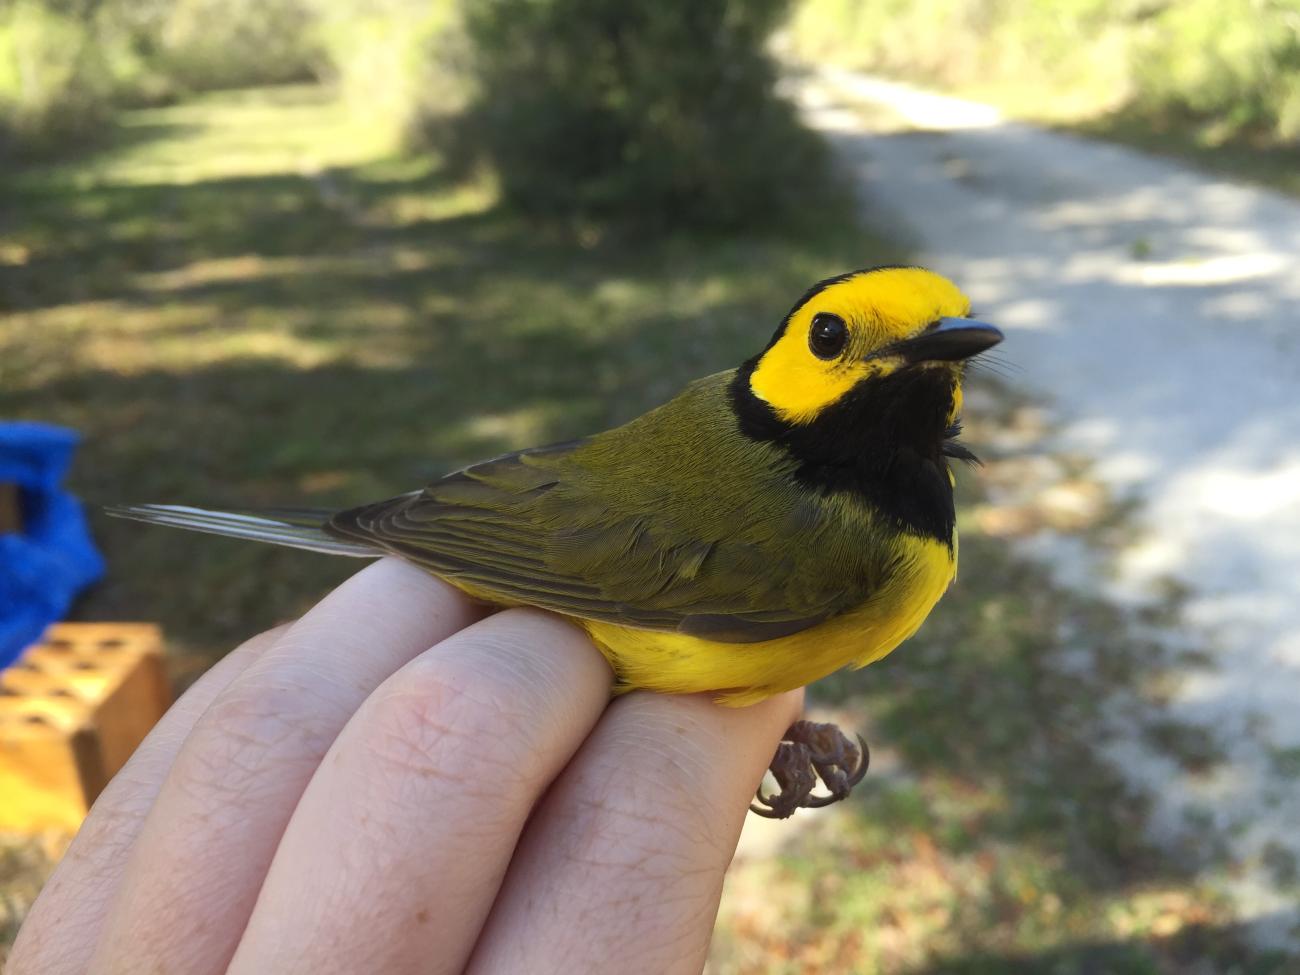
x: 1155, y: 310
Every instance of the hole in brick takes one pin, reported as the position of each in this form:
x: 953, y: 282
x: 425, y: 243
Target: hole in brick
x: 28, y: 666
x: 60, y: 645
x: 60, y: 692
x: 10, y: 692
x: 112, y: 643
x: 85, y: 665
x: 36, y: 719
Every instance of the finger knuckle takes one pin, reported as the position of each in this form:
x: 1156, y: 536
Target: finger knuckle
x: 243, y: 743
x: 455, y: 722
x: 665, y: 814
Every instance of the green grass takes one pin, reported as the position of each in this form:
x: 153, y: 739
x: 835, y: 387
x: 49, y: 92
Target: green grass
x: 245, y: 301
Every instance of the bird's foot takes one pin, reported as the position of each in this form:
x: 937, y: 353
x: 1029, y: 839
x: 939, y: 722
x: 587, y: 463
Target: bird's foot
x: 808, y: 752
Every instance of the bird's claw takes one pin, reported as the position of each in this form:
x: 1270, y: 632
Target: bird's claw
x: 808, y: 752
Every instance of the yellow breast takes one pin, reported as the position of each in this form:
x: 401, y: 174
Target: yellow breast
x: 745, y: 673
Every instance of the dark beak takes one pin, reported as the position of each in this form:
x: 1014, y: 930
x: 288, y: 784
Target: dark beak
x: 947, y: 340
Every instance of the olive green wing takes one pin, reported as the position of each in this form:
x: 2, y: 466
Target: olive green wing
x: 667, y: 539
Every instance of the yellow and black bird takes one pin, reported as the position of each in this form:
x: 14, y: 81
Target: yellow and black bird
x: 769, y: 525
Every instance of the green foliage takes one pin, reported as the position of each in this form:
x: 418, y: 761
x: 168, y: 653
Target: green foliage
x: 203, y: 45
x: 588, y: 109
x: 67, y: 65
x: 393, y: 61
x: 1235, y: 63
x: 1232, y: 66
x: 55, y: 81
x: 960, y: 42
x: 645, y: 112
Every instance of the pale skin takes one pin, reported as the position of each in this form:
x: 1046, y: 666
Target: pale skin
x: 399, y: 782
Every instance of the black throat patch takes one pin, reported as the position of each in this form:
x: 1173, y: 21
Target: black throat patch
x: 886, y: 442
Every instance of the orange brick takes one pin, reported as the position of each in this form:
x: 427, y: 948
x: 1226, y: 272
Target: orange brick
x: 72, y: 710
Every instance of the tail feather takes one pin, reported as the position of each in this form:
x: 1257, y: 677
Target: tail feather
x: 291, y: 527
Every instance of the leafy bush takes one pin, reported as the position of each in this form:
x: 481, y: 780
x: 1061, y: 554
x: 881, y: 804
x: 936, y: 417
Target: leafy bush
x: 1235, y: 62
x: 640, y: 111
x: 66, y: 65
x: 1233, y: 65
x: 393, y: 60
x: 55, y: 82
x: 203, y: 45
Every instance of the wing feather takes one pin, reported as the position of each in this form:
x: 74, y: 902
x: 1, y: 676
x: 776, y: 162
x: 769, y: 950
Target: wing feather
x: 695, y: 537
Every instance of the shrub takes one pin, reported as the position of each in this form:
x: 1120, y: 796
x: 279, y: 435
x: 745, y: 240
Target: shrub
x: 1233, y: 65
x: 202, y: 45
x: 637, y: 111
x: 67, y: 65
x: 393, y: 60
x: 1233, y: 62
x: 55, y: 82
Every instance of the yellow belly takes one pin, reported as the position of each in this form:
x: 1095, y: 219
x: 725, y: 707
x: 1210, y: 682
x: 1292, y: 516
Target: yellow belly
x: 745, y: 673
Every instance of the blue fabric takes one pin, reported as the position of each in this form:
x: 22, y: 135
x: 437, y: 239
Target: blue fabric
x: 53, y: 558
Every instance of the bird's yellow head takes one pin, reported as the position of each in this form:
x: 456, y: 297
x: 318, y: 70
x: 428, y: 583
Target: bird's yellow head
x: 860, y: 389
x: 865, y: 326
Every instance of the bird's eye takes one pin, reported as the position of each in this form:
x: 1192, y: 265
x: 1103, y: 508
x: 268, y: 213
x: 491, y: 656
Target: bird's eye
x: 828, y: 335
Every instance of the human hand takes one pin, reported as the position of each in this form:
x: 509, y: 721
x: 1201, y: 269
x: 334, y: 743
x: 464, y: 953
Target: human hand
x: 336, y: 797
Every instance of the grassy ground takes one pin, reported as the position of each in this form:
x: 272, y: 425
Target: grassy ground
x: 247, y: 301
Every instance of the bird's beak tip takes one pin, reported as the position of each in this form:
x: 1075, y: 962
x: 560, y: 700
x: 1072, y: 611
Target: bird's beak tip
x: 950, y: 340
x: 975, y: 332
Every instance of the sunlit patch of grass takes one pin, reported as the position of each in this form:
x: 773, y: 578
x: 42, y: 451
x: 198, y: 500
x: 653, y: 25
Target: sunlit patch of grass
x: 227, y: 135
